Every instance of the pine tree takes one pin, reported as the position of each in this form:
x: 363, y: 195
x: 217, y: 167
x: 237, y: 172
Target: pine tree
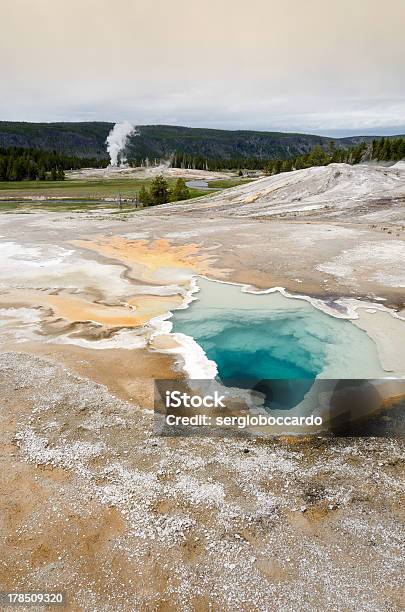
x: 144, y: 196
x: 386, y: 150
x: 318, y: 157
x: 159, y: 191
x: 180, y: 191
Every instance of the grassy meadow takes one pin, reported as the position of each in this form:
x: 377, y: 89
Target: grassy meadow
x: 80, y: 194
x: 227, y: 183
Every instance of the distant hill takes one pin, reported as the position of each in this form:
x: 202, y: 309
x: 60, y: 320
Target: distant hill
x: 162, y: 140
x: 87, y: 139
x: 78, y: 139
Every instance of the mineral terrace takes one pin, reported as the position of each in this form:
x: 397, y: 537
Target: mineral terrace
x: 93, y: 503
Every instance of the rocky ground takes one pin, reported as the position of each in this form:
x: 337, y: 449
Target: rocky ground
x: 362, y: 193
x: 94, y: 504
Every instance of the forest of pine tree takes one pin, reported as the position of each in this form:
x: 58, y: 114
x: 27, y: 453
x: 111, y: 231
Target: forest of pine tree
x: 185, y: 160
x: 19, y: 164
x: 381, y: 149
x: 388, y: 149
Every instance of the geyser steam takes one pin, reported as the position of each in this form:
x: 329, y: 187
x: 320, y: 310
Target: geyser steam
x: 116, y: 141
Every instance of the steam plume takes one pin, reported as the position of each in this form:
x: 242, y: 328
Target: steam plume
x: 116, y: 141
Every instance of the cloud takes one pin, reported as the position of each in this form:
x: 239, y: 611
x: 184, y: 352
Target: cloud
x: 311, y: 66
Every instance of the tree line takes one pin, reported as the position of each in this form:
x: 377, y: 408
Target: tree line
x: 388, y: 149
x: 185, y: 161
x: 318, y: 156
x: 383, y: 149
x: 19, y: 164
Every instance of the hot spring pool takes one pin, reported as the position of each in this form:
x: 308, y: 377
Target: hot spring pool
x: 270, y: 336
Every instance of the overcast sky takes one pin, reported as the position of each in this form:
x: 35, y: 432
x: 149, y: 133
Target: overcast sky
x: 320, y: 66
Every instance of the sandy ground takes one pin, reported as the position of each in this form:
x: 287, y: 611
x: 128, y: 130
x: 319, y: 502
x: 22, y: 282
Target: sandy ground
x: 120, y: 520
x: 381, y: 326
x: 123, y: 520
x: 324, y: 259
x: 87, y: 277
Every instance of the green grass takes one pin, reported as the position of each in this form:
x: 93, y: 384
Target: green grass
x: 226, y: 183
x: 76, y: 188
x: 84, y: 194
x: 93, y: 189
x: 77, y: 204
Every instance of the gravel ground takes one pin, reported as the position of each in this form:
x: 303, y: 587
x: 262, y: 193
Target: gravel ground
x: 97, y: 506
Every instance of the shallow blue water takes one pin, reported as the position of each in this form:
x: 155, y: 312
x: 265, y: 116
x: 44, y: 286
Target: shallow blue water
x: 255, y: 337
x: 254, y: 346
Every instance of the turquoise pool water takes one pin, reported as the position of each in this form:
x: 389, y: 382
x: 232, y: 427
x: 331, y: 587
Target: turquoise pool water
x: 253, y: 337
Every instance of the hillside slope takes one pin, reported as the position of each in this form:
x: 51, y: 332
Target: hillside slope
x: 81, y: 139
x: 340, y: 191
x: 160, y: 141
x: 163, y: 140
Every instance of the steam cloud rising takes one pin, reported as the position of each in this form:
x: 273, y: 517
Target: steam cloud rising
x: 116, y: 141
